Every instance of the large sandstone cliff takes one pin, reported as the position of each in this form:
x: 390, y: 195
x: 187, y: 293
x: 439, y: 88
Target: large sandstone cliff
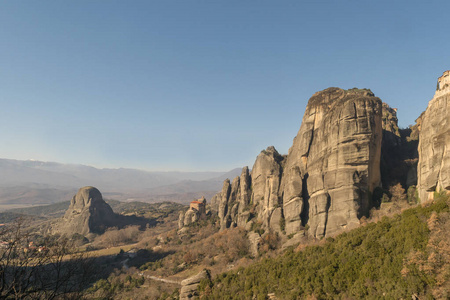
x: 333, y: 166
x: 329, y: 178
x: 325, y: 182
x: 434, y: 143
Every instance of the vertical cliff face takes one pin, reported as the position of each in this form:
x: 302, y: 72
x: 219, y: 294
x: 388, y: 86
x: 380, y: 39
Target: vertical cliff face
x: 224, y: 205
x: 434, y: 143
x: 266, y: 177
x: 333, y: 166
x: 326, y: 180
x: 257, y: 192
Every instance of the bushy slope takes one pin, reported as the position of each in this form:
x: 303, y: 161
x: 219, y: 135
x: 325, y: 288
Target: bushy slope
x: 392, y: 259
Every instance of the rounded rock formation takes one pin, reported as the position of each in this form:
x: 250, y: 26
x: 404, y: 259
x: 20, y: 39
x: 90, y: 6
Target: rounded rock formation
x: 88, y: 213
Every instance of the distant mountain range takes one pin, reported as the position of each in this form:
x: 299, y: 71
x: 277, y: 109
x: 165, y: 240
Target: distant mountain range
x: 36, y: 182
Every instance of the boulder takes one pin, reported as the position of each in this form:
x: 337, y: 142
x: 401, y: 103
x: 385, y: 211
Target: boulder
x: 189, y: 286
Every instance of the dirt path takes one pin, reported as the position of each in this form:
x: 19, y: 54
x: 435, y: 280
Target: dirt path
x: 160, y: 279
x: 125, y: 265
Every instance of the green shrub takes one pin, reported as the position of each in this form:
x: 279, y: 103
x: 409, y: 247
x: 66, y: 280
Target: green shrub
x: 363, y: 263
x: 283, y: 225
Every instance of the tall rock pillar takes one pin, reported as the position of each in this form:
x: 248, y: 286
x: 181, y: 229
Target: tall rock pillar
x: 433, y: 170
x: 333, y: 166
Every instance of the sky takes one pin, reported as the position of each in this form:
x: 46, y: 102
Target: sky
x: 200, y: 85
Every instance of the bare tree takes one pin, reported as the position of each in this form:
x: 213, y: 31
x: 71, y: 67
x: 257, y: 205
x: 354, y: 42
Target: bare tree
x: 52, y: 270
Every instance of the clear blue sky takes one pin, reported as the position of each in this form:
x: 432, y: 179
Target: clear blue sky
x: 200, y: 85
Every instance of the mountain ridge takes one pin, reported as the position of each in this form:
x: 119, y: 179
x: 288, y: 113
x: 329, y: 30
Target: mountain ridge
x: 37, y: 182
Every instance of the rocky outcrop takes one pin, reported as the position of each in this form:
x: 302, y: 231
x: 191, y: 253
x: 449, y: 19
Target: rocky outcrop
x: 257, y: 193
x: 245, y: 189
x: 88, y: 213
x: 214, y: 203
x: 434, y: 143
x: 391, y: 131
x: 196, y: 211
x: 333, y: 166
x: 189, y: 286
x: 181, y: 219
x: 326, y: 180
x: 266, y: 178
x: 224, y: 204
x: 254, y: 241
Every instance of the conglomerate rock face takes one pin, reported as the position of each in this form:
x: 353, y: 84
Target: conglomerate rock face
x: 326, y: 180
x: 88, y: 213
x: 434, y: 143
x: 333, y: 165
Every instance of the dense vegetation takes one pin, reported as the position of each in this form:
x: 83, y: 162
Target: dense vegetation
x: 394, y: 258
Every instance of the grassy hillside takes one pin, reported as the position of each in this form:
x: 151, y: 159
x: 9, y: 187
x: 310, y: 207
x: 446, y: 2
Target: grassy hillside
x: 394, y: 258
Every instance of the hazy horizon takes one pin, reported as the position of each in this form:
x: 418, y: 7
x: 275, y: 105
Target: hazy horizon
x: 125, y: 167
x: 200, y: 86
